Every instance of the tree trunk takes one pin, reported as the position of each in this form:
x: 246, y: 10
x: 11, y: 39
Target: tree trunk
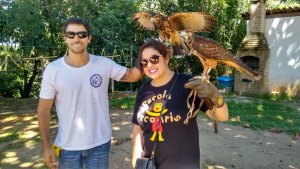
x: 27, y: 86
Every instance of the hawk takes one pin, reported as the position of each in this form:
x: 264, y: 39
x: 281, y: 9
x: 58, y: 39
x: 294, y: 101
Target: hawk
x: 170, y: 26
x: 178, y: 30
x: 210, y: 53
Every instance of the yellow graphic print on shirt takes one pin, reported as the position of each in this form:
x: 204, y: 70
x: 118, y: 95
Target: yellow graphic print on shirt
x: 150, y: 110
x: 156, y: 125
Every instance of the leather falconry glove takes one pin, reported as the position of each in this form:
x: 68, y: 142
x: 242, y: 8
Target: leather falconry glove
x: 207, y: 91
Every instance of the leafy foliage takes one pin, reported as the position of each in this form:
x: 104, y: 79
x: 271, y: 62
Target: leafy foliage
x: 9, y: 84
x: 32, y: 29
x: 278, y: 4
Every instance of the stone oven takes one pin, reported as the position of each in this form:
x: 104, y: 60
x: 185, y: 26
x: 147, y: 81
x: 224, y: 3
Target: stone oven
x: 254, y: 51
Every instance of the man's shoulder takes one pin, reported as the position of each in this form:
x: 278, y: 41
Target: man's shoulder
x: 56, y: 62
x: 99, y: 58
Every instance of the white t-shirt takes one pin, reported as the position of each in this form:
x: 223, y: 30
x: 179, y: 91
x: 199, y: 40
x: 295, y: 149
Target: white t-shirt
x: 81, y: 100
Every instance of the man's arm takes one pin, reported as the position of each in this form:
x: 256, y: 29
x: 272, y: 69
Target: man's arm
x: 132, y: 75
x: 44, y: 117
x: 136, y: 143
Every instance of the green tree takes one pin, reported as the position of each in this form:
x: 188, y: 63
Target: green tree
x: 33, y: 29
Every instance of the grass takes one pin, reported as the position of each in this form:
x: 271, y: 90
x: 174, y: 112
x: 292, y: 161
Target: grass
x: 126, y: 102
x: 259, y: 113
x: 265, y: 114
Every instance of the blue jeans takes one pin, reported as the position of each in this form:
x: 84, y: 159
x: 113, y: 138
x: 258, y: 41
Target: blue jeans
x: 94, y: 158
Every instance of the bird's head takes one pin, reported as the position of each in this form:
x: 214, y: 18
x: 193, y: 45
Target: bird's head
x: 186, y: 40
x: 156, y: 17
x: 186, y: 36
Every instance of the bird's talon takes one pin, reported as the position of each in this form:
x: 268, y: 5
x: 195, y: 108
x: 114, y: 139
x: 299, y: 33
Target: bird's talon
x: 203, y: 78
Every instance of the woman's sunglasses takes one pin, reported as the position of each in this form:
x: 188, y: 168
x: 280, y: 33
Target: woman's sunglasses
x: 154, y: 59
x: 80, y: 35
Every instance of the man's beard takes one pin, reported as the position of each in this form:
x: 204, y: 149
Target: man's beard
x: 77, y: 50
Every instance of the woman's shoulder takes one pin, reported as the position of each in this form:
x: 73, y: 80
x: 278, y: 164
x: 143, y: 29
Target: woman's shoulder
x: 184, y: 77
x: 145, y: 84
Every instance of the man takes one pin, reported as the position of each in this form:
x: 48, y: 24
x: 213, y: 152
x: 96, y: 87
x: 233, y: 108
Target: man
x: 78, y: 85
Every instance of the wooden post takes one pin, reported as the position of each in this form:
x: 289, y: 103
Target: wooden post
x: 42, y: 59
x: 131, y: 65
x: 5, y: 63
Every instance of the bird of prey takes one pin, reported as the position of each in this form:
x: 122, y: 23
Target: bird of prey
x: 178, y: 30
x: 210, y: 53
x: 169, y: 27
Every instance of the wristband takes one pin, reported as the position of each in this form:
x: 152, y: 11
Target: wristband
x: 220, y: 102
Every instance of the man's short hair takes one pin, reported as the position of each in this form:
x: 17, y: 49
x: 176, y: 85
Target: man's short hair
x: 75, y: 20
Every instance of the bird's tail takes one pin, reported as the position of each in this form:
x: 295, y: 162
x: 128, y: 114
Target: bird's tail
x: 243, y: 68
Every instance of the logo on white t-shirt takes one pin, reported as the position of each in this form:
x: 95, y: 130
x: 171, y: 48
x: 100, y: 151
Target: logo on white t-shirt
x: 96, y: 80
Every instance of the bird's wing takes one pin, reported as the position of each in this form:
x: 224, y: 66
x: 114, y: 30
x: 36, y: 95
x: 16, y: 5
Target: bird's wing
x: 143, y: 19
x: 212, y: 50
x: 192, y: 21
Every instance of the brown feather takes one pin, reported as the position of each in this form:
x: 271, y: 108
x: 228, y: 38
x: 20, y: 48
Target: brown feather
x: 143, y: 19
x: 168, y: 27
x: 192, y: 21
x: 212, y: 52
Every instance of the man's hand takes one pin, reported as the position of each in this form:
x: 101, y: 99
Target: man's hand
x: 50, y: 158
x: 207, y: 91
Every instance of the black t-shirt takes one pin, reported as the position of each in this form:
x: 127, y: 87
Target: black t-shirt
x: 178, y: 143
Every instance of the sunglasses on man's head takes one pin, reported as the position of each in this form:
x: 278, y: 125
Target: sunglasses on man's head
x: 154, y: 59
x: 80, y: 35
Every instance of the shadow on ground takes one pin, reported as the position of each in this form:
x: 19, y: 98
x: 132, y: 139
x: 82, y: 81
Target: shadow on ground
x: 233, y: 147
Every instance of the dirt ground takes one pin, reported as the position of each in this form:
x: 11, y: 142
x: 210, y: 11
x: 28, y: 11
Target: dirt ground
x: 233, y: 147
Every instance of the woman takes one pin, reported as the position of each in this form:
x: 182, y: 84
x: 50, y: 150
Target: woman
x: 177, y: 142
